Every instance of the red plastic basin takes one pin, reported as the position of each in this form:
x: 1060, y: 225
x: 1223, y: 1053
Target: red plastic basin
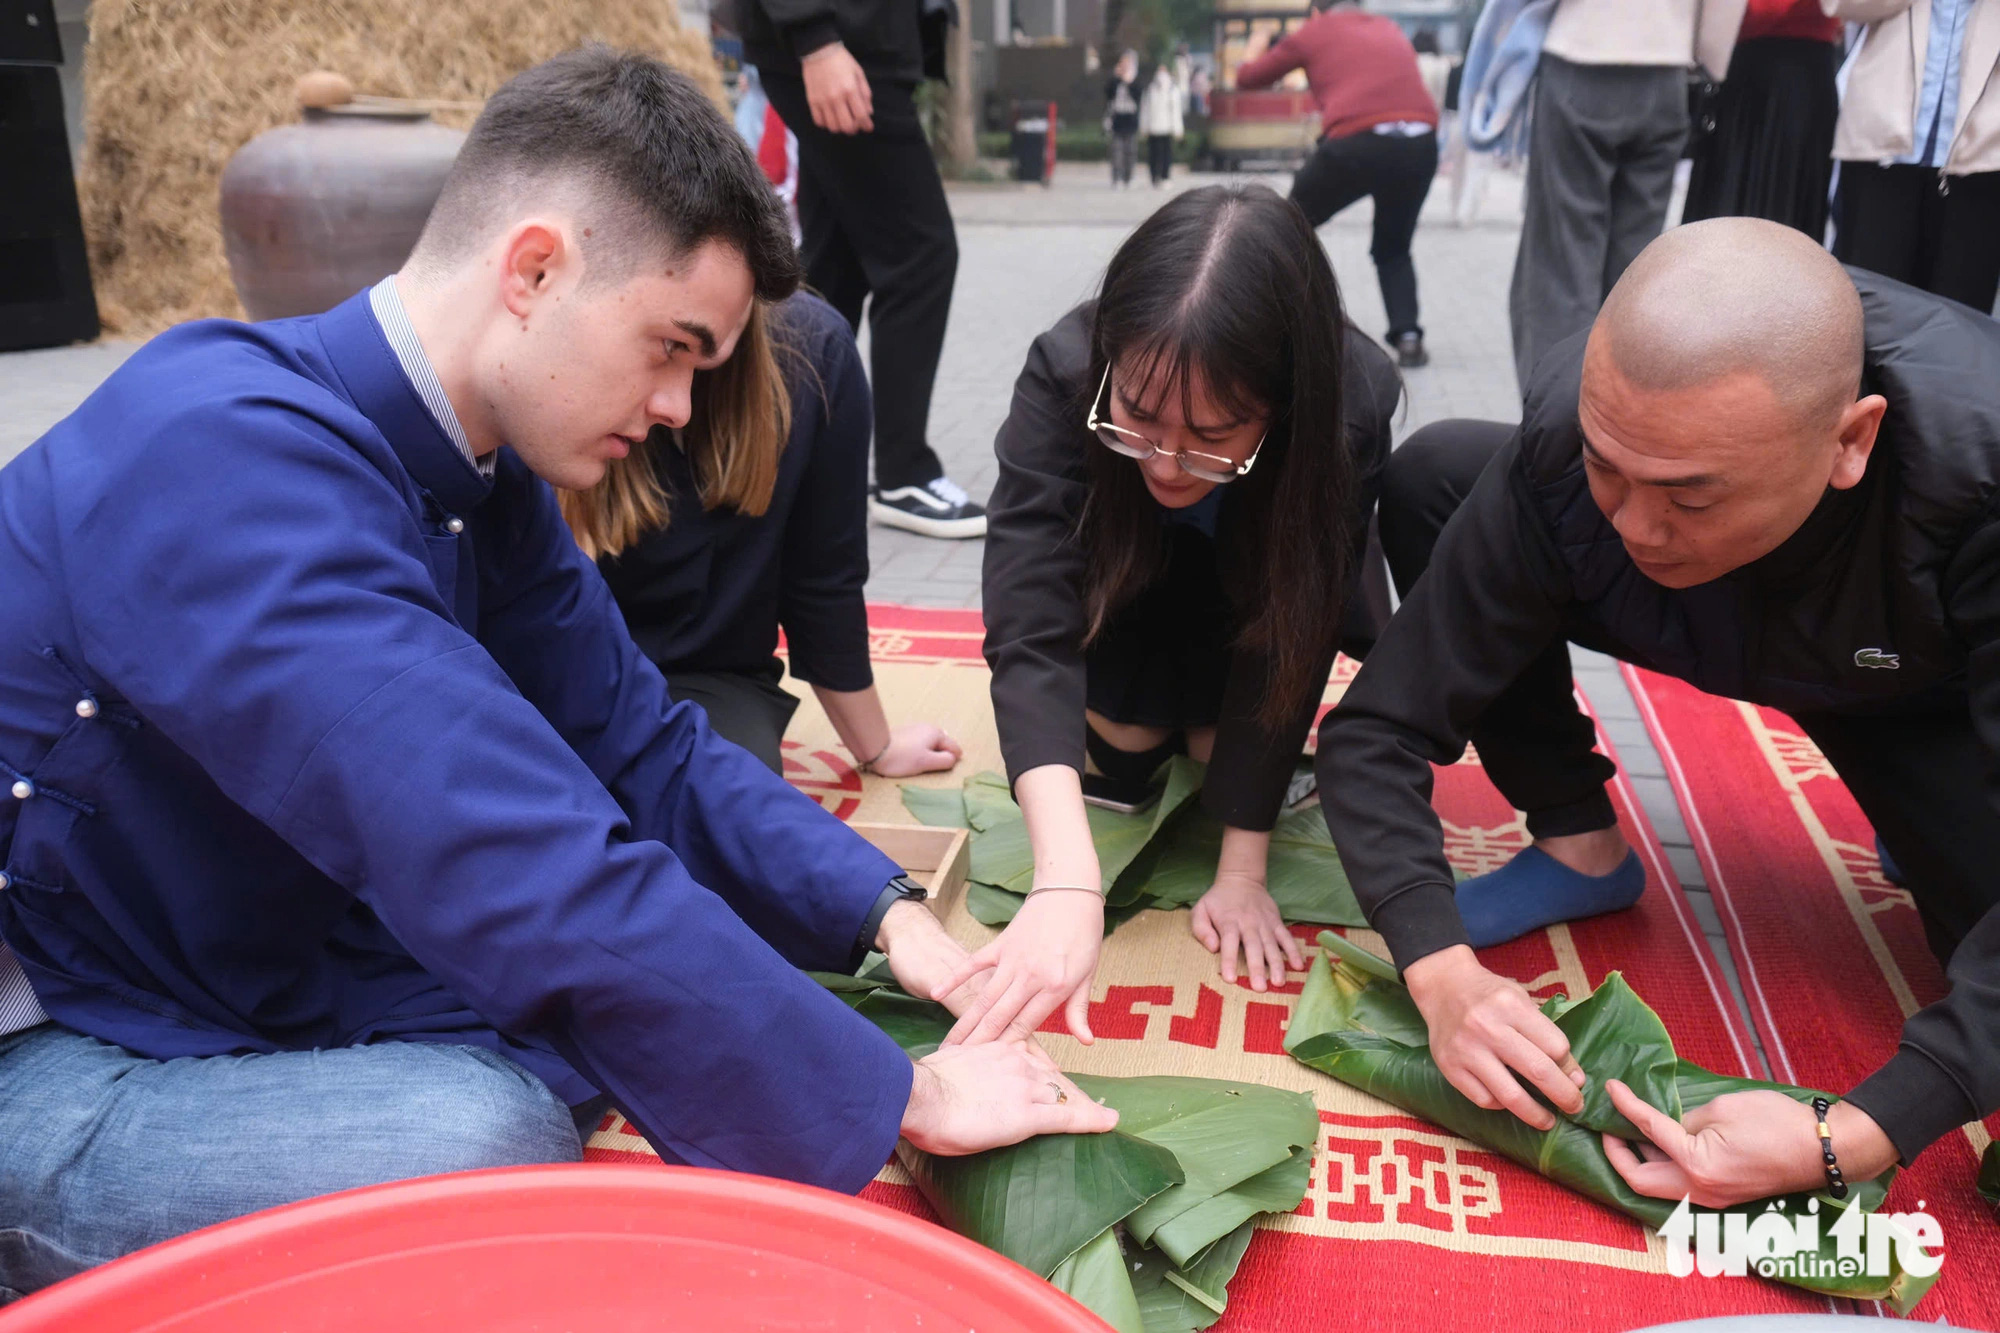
x: 596, y: 1249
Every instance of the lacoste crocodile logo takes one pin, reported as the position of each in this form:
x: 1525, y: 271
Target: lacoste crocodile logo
x: 1875, y: 657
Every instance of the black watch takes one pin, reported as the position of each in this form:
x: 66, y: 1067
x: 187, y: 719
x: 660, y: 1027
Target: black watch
x: 898, y: 890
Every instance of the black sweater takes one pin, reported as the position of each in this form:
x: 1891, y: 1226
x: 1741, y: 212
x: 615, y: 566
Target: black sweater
x: 1906, y: 562
x: 898, y: 40
x: 1034, y: 570
x: 709, y: 591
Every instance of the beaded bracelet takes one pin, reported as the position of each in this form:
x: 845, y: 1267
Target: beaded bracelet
x: 1063, y: 888
x: 1835, y: 1184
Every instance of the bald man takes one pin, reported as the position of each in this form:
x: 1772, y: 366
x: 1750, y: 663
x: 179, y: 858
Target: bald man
x: 1775, y: 479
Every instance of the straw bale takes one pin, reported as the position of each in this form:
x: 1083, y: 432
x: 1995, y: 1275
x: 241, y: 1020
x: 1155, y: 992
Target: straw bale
x: 174, y: 87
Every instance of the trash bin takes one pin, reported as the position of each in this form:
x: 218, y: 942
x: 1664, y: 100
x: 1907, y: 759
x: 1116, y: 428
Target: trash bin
x: 1031, y: 143
x: 1034, y: 144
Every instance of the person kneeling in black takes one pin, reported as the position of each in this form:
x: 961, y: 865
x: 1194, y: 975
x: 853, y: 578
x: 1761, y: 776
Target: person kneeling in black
x: 1767, y: 476
x: 1186, y: 480
x: 752, y: 517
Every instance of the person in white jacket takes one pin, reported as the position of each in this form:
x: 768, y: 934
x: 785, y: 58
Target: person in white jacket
x: 1919, y: 145
x: 1160, y: 121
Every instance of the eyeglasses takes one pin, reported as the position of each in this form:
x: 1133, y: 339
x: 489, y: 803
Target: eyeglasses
x: 1209, y: 467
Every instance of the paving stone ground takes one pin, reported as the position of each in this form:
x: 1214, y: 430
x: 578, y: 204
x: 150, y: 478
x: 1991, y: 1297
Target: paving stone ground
x: 1029, y: 253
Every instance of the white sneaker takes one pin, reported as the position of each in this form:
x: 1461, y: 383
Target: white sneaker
x: 941, y: 509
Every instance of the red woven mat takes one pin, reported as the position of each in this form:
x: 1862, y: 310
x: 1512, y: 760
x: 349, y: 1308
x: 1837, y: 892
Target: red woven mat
x: 1404, y: 1227
x: 1831, y: 955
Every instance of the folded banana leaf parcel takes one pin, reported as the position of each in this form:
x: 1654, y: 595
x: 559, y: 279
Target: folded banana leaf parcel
x: 1146, y: 1224
x: 1357, y: 1022
x: 1162, y: 857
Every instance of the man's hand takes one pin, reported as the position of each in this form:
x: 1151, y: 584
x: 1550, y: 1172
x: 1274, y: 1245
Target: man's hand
x: 1741, y: 1147
x: 837, y: 91
x: 966, y: 1099
x: 1043, y: 961
x: 921, y: 954
x: 1485, y: 1029
x: 917, y: 747
x: 1237, y: 914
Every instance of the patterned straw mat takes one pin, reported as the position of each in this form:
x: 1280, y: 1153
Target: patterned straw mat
x: 1404, y: 1226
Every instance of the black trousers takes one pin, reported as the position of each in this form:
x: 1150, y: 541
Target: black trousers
x: 1919, y: 776
x: 1396, y: 171
x: 1894, y: 221
x: 876, y: 224
x: 1160, y: 156
x: 749, y: 708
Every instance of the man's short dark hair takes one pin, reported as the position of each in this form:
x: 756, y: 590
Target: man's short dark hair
x: 662, y: 171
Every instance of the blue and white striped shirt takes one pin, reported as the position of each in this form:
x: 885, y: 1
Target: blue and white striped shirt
x: 387, y: 304
x: 19, y: 1008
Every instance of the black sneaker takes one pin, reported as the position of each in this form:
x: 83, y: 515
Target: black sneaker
x: 941, y: 509
x: 1410, y: 351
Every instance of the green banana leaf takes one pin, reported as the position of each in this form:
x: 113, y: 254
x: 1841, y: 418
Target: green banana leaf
x: 1303, y: 873
x: 1184, y: 1239
x: 1192, y: 1164
x: 1224, y: 1134
x: 1188, y: 1299
x: 1334, y: 1030
x: 1096, y: 1276
x: 940, y: 807
x: 1613, y: 1029
x: 1047, y: 1197
x: 1163, y: 857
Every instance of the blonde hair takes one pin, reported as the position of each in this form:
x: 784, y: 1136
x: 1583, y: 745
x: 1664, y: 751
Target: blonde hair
x: 742, y: 414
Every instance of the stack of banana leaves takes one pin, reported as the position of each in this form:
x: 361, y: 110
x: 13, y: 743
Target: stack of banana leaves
x: 1356, y: 1022
x: 1145, y: 1224
x: 1161, y: 857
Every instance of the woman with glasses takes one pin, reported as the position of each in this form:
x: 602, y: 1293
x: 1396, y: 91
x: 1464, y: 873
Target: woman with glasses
x: 1186, y: 478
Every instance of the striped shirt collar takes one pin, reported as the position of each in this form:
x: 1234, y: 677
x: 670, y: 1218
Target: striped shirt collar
x: 18, y: 1007
x: 387, y: 303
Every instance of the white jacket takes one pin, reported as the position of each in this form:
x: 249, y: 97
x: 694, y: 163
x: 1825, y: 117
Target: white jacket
x: 1878, y: 114
x: 1160, y: 107
x: 1647, y: 32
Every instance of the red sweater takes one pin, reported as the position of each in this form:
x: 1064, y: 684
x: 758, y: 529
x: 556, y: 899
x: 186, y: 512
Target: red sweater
x: 1362, y: 69
x: 1788, y: 18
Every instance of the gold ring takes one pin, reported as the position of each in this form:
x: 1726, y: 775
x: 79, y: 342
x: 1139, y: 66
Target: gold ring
x: 1061, y: 1096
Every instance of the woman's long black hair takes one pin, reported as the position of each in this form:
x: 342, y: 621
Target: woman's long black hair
x: 1229, y: 285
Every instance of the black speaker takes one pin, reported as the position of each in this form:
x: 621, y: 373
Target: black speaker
x: 45, y: 293
x: 28, y: 33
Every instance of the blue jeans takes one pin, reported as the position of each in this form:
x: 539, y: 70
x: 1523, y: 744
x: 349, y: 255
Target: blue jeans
x: 103, y: 1152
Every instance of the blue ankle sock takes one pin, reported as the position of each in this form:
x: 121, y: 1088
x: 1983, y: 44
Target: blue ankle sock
x: 1890, y: 870
x: 1535, y: 890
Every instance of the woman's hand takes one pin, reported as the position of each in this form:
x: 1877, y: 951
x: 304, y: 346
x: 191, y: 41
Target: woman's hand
x: 1045, y: 960
x: 1485, y: 1029
x: 900, y: 752
x: 917, y: 747
x: 1741, y: 1147
x: 1237, y: 913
